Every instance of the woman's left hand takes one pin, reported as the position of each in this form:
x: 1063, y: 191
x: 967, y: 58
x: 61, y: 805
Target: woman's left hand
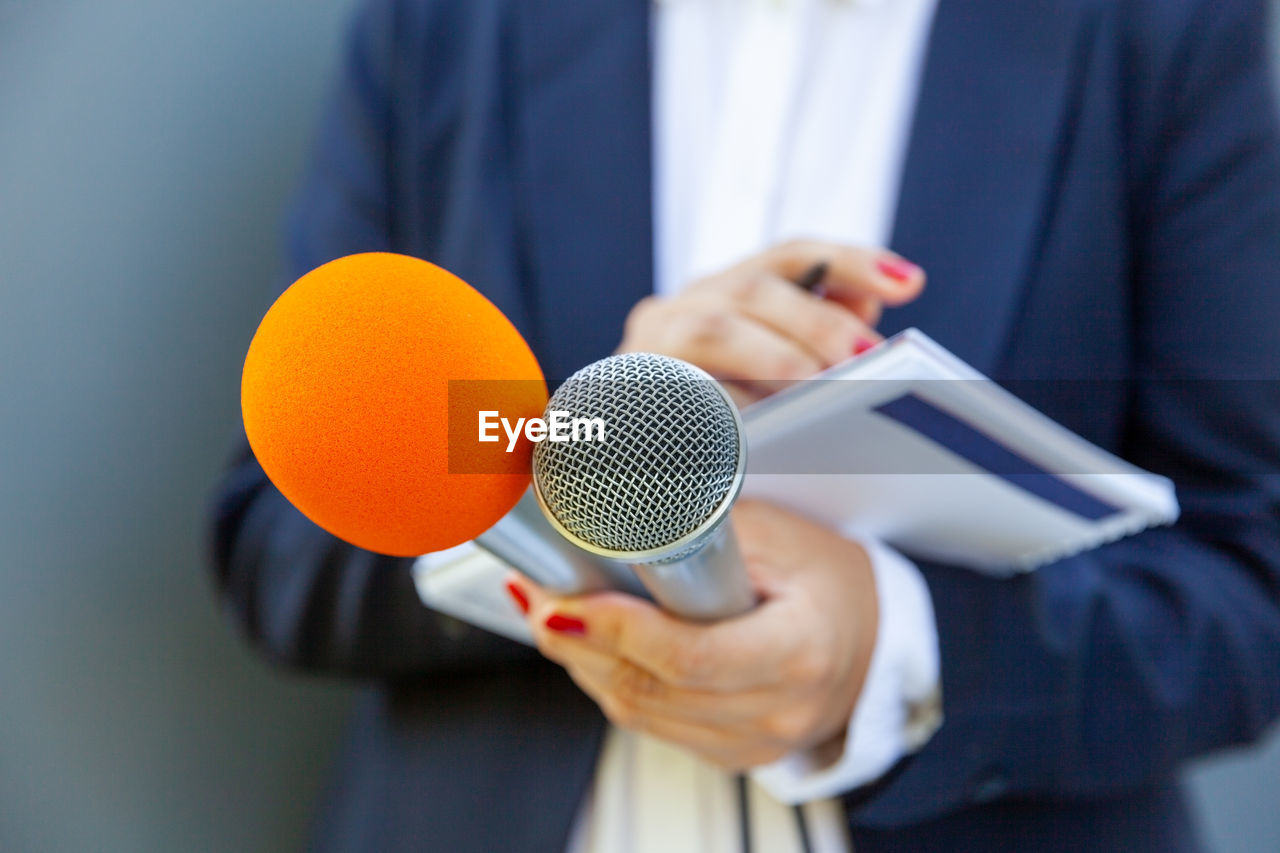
x: 744, y: 691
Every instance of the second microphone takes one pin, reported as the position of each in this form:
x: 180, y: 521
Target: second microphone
x: 658, y: 491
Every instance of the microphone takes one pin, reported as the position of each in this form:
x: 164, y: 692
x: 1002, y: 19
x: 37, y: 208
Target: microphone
x: 525, y: 539
x: 345, y: 396
x: 657, y: 492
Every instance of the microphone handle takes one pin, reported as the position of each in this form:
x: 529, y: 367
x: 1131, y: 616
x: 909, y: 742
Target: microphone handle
x: 526, y: 541
x: 707, y: 585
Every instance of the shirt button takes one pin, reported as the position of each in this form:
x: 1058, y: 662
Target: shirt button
x: 993, y: 785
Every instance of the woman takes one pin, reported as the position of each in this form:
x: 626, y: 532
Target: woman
x: 1094, y: 190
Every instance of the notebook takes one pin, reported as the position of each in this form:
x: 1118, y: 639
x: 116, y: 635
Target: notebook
x: 908, y: 444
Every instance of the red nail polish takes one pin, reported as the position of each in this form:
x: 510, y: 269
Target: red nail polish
x: 518, y: 596
x: 897, y: 269
x: 861, y: 345
x: 562, y: 624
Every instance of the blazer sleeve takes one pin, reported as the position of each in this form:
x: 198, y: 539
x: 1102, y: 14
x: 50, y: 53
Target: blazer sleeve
x: 1105, y: 671
x: 304, y: 597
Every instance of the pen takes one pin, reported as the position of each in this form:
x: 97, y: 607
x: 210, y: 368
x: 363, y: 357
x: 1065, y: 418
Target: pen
x: 811, y: 281
x: 812, y: 277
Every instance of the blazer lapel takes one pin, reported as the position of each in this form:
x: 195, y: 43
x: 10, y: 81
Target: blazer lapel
x: 978, y: 180
x: 583, y: 124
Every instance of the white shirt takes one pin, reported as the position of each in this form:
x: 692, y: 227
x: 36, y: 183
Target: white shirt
x: 776, y: 119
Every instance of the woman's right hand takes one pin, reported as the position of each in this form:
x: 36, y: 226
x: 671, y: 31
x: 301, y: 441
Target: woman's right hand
x: 752, y: 327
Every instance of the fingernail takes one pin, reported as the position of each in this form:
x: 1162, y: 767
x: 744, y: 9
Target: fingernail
x: 518, y: 596
x: 861, y: 345
x: 897, y: 269
x: 562, y: 624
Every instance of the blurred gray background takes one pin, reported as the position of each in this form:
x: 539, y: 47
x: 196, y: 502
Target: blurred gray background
x: 146, y: 151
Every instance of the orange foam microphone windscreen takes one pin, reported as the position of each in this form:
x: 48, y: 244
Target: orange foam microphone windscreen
x: 346, y: 402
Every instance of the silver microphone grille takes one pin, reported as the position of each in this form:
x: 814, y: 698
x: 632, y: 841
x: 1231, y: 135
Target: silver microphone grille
x: 671, y: 459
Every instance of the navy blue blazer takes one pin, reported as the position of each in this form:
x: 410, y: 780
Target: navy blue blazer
x: 1094, y: 189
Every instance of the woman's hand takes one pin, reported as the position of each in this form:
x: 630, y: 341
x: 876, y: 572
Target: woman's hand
x: 752, y: 327
x: 741, y: 692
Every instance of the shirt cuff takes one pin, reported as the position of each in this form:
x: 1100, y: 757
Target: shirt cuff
x: 900, y: 706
